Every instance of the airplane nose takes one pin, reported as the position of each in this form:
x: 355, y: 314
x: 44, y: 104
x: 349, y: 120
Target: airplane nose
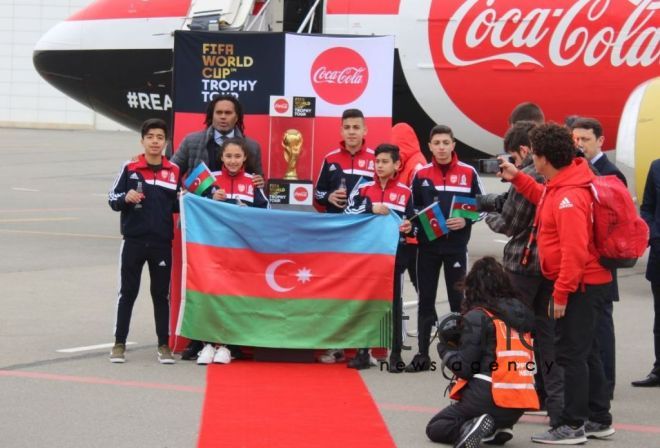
x: 58, y: 58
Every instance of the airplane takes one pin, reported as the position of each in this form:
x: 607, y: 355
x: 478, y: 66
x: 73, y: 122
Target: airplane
x: 465, y: 63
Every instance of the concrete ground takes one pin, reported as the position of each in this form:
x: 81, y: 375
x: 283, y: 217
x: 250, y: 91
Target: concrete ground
x: 60, y: 243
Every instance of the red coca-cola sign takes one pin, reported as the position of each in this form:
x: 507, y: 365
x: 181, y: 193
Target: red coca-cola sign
x: 339, y: 75
x: 491, y: 55
x: 300, y: 194
x: 281, y: 106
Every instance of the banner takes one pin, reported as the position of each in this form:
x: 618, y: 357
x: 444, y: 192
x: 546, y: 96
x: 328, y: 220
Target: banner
x: 303, y: 281
x: 285, y: 81
x: 207, y: 64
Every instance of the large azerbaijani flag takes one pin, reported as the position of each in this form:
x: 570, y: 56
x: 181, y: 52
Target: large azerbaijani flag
x: 272, y: 278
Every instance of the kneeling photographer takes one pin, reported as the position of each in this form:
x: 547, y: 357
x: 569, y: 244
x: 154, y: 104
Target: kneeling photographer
x: 492, y: 358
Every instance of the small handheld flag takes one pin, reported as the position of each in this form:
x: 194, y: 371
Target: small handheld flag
x: 464, y: 207
x: 200, y: 179
x: 432, y: 221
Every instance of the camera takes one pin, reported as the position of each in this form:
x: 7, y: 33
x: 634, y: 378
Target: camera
x: 490, y: 202
x: 449, y: 328
x: 492, y: 166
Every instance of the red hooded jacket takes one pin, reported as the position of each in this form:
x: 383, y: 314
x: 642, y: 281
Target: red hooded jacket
x: 565, y: 228
x: 412, y: 158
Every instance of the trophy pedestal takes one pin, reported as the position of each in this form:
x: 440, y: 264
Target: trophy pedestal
x: 290, y: 194
x: 284, y: 355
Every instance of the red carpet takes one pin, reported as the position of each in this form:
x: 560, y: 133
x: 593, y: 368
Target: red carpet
x: 252, y: 404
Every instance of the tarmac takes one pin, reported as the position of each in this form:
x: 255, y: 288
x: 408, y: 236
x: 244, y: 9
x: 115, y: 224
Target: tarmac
x: 60, y: 244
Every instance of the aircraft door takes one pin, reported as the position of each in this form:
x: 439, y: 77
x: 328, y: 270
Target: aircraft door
x: 215, y: 15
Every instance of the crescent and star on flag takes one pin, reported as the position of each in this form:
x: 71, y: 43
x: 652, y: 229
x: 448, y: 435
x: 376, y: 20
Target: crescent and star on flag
x: 303, y: 275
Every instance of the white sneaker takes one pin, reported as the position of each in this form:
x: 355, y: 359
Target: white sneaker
x: 222, y: 355
x: 332, y: 356
x: 205, y: 356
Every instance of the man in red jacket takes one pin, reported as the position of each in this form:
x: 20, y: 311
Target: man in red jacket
x: 564, y: 234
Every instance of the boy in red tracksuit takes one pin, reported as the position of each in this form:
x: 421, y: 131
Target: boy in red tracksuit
x: 145, y: 192
x: 439, y: 181
x: 342, y: 169
x: 352, y: 161
x: 381, y: 196
x: 412, y: 159
x: 564, y: 234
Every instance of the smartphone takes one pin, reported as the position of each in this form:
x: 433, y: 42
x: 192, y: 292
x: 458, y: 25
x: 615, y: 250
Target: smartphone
x: 489, y: 166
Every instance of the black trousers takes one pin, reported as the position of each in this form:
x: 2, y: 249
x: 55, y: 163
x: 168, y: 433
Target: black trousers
x: 477, y: 399
x: 655, y: 289
x: 606, y: 339
x: 408, y: 254
x: 535, y: 292
x: 400, y: 266
x: 429, y: 263
x: 586, y: 394
x: 132, y: 258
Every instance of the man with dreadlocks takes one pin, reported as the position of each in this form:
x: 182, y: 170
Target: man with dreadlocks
x: 224, y: 120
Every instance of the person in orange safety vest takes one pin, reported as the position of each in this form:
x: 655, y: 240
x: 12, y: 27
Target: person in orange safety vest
x: 493, y: 360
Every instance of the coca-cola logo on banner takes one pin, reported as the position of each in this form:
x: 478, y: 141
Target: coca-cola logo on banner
x: 339, y: 75
x: 281, y: 106
x: 300, y: 193
x: 534, y: 51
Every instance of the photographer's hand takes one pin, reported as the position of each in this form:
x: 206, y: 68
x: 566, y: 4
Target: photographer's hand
x: 507, y: 169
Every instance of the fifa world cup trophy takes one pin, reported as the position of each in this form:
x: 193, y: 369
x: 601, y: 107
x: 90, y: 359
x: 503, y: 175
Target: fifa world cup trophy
x: 292, y: 142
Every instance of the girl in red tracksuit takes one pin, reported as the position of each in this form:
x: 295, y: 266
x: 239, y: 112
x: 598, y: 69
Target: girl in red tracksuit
x: 233, y: 185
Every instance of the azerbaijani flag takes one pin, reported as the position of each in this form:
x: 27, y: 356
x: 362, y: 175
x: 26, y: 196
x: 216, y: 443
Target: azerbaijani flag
x: 433, y: 222
x: 464, y: 207
x: 199, y: 179
x: 272, y: 278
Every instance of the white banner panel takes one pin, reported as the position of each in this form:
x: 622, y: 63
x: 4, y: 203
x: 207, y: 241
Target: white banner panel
x: 341, y: 72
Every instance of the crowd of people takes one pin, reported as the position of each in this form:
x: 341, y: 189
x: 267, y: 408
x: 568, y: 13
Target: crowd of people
x: 534, y: 331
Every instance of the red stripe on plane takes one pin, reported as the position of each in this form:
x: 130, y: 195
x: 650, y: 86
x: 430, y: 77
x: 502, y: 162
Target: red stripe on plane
x: 376, y: 7
x: 131, y: 9
x: 241, y: 272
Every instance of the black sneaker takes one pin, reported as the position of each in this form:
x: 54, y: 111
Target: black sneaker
x: 562, y: 435
x: 190, y: 352
x: 499, y: 437
x: 595, y: 430
x: 361, y: 361
x: 474, y: 430
x: 419, y: 363
x: 395, y: 364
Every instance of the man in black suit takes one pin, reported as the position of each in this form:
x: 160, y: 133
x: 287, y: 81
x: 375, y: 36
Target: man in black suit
x: 650, y: 211
x: 588, y: 137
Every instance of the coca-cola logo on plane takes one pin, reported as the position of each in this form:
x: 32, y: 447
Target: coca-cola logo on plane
x: 339, y: 75
x: 281, y: 106
x: 543, y: 50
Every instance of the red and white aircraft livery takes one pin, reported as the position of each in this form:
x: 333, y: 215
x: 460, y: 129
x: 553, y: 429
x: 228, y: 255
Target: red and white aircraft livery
x: 465, y: 63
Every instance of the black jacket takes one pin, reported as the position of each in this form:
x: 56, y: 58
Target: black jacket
x: 476, y: 348
x: 431, y: 185
x: 194, y: 149
x: 650, y: 211
x: 152, y: 222
x: 606, y: 168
